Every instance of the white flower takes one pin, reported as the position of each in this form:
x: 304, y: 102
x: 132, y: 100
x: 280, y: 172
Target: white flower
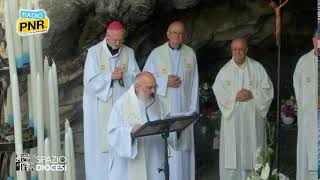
x: 250, y: 178
x: 265, y: 172
x: 258, y: 166
x: 258, y: 153
x: 253, y: 178
x: 274, y: 172
x: 283, y: 177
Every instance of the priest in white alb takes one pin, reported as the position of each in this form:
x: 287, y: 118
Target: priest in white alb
x: 306, y: 82
x: 109, y: 71
x: 139, y: 158
x: 244, y: 93
x: 175, y: 68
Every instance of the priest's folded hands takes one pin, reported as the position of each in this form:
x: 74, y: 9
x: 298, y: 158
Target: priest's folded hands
x: 244, y: 95
x: 174, y: 81
x: 117, y: 73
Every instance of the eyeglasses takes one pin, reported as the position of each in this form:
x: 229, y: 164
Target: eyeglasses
x: 176, y: 33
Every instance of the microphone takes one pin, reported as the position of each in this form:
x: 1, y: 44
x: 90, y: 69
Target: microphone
x: 154, y: 100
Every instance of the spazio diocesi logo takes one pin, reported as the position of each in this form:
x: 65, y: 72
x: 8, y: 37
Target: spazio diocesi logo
x: 29, y: 162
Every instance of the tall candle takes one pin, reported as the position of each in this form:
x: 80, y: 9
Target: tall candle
x: 15, y: 90
x: 17, y: 121
x: 33, y: 70
x: 39, y: 117
x: 13, y: 8
x: 9, y: 38
x: 25, y: 40
x: 70, y: 135
x: 30, y: 115
x: 12, y: 166
x: 68, y: 172
x: 38, y: 46
x: 34, y: 174
x: 54, y: 124
x: 55, y: 88
x: 45, y: 95
x: 47, y: 153
x: 9, y: 108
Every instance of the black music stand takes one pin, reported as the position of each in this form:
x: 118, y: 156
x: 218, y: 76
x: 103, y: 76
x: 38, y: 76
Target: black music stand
x: 164, y: 127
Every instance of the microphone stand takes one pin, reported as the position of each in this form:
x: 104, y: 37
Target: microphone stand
x: 154, y: 100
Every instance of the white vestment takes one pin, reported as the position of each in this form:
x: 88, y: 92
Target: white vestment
x: 305, y: 81
x: 242, y: 123
x: 162, y: 62
x: 97, y: 90
x: 124, y: 152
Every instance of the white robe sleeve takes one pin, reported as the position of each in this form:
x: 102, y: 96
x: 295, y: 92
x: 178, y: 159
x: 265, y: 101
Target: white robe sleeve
x: 162, y: 81
x: 133, y: 68
x: 120, y: 135
x: 96, y: 82
x: 225, y: 96
x: 263, y: 94
x: 194, y: 105
x: 297, y: 84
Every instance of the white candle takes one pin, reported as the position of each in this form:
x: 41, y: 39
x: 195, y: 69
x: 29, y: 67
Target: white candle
x: 30, y: 118
x: 9, y: 38
x: 17, y: 121
x: 56, y: 105
x: 9, y: 108
x: 15, y: 90
x: 56, y: 90
x: 54, y: 124
x: 25, y: 39
x: 34, y: 174
x: 39, y: 117
x: 47, y: 153
x: 13, y: 8
x: 70, y: 135
x: 12, y: 166
x: 38, y: 46
x: 68, y: 172
x: 33, y: 70
x: 45, y: 95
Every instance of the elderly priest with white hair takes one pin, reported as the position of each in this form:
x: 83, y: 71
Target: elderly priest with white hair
x: 244, y: 93
x: 139, y: 158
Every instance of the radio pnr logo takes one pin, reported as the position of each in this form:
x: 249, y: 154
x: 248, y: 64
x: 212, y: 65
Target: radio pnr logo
x: 32, y: 22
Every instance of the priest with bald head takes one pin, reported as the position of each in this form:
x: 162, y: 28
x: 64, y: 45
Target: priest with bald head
x: 174, y: 65
x: 244, y: 92
x: 109, y: 71
x: 139, y: 158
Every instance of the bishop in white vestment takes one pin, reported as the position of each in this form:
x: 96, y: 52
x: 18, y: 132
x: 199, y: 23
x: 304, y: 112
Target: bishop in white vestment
x: 244, y: 93
x: 175, y: 68
x: 109, y: 71
x: 139, y: 158
x: 305, y: 82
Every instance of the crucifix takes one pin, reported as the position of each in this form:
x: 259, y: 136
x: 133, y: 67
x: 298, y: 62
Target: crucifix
x: 277, y: 13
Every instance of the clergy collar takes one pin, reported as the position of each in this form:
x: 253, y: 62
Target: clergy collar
x: 241, y: 66
x: 113, y: 51
x: 174, y: 48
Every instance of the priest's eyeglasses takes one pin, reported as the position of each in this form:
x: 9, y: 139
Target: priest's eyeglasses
x: 179, y: 34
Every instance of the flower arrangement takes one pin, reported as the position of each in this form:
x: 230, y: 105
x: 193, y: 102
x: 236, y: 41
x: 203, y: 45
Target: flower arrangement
x: 263, y: 171
x: 211, y: 116
x: 288, y: 110
x: 289, y: 107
